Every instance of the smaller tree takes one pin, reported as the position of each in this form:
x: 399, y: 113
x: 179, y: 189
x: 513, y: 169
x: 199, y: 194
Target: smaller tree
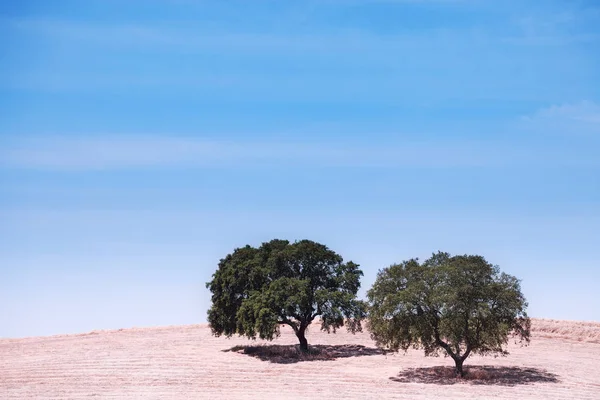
x: 460, y: 304
x: 255, y: 290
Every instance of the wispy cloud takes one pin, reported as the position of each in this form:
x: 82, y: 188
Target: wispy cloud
x: 585, y: 111
x: 148, y: 151
x: 581, y: 118
x: 558, y: 28
x: 186, y: 37
x: 135, y: 152
x: 306, y: 65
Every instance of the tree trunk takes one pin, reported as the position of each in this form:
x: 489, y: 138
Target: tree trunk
x: 302, y: 339
x: 459, y: 367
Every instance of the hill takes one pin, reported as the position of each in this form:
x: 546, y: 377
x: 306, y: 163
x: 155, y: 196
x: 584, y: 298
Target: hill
x: 183, y: 362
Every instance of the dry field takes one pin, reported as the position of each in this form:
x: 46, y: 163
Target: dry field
x: 186, y: 362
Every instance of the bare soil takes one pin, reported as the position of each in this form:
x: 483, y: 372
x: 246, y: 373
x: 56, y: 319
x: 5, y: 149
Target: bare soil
x: 187, y: 362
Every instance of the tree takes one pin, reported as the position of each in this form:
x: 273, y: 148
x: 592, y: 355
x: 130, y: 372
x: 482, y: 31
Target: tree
x: 255, y: 290
x: 462, y: 304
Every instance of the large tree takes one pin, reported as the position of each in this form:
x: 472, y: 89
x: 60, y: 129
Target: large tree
x: 461, y: 305
x: 255, y: 290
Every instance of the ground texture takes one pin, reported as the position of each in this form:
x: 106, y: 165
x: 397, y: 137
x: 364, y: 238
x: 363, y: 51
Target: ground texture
x: 186, y: 362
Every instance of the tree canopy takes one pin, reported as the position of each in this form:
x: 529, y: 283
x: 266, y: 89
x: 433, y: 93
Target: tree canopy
x: 458, y: 304
x: 254, y: 290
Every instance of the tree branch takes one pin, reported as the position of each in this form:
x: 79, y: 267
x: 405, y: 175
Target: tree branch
x: 318, y: 312
x: 285, y: 320
x: 440, y: 342
x: 467, y: 352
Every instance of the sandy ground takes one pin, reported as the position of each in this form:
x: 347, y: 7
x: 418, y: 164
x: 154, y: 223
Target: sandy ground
x: 186, y: 362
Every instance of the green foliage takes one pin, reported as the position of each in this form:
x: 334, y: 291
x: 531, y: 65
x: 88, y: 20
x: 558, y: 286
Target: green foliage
x: 460, y: 305
x: 254, y: 290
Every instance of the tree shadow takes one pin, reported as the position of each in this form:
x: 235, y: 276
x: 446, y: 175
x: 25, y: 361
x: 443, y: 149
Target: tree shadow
x: 476, y: 375
x: 289, y: 354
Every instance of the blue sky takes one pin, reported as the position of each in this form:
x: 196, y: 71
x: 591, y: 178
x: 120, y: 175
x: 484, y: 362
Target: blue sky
x: 141, y: 141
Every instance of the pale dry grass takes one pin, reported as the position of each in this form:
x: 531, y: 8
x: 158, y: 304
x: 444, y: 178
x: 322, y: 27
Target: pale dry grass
x: 187, y: 362
x: 580, y: 331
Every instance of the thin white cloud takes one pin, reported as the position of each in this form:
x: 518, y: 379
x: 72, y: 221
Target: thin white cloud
x: 115, y: 152
x: 342, y: 40
x: 151, y: 151
x: 186, y: 37
x: 585, y: 111
x: 443, y: 64
x: 581, y: 118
